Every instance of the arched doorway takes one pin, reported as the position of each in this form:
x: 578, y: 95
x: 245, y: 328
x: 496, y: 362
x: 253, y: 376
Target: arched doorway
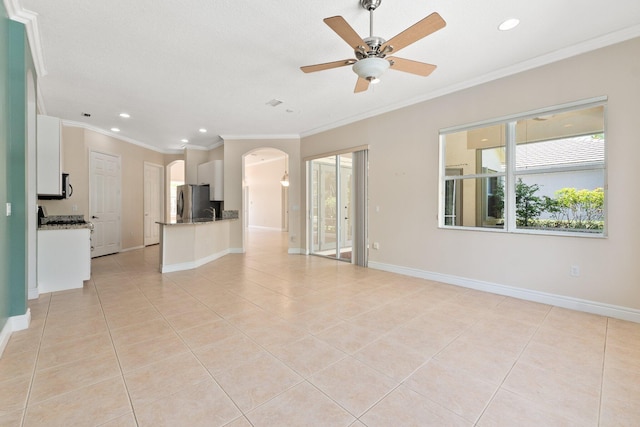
x: 266, y: 196
x: 266, y: 191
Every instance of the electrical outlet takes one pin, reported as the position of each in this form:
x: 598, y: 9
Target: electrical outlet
x: 8, y: 209
x: 575, y: 271
x: 376, y: 245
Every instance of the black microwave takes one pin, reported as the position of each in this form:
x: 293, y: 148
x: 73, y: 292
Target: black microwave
x: 67, y: 190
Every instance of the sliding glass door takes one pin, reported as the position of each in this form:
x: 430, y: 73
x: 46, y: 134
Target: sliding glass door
x: 331, y: 208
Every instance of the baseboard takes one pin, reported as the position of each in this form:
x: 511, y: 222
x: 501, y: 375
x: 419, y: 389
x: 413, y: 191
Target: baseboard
x: 296, y: 251
x: 595, y: 307
x: 33, y: 293
x: 237, y: 251
x: 170, y: 268
x: 132, y: 249
x: 260, y: 227
x: 5, y: 334
x: 13, y: 324
x: 22, y: 322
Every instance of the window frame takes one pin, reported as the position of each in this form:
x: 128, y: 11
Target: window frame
x: 510, y: 175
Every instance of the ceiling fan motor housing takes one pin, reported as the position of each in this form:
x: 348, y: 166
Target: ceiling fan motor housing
x: 374, y: 44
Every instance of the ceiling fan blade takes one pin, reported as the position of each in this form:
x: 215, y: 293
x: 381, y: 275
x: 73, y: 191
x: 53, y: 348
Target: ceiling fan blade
x: 361, y: 85
x: 421, y: 29
x: 408, y: 66
x: 348, y: 34
x: 327, y: 65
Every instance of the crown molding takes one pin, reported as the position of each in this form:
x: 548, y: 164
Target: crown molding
x: 260, y: 137
x: 549, y: 58
x: 71, y: 123
x: 30, y: 20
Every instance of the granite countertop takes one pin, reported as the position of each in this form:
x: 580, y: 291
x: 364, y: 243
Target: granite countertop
x: 227, y: 215
x: 195, y: 221
x: 65, y: 226
x: 64, y: 222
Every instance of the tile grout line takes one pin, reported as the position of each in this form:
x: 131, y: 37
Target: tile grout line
x: 115, y: 351
x: 499, y: 387
x: 604, y: 362
x: 35, y: 364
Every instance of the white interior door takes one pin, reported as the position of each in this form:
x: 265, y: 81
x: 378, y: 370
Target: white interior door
x: 104, y: 201
x: 153, y: 201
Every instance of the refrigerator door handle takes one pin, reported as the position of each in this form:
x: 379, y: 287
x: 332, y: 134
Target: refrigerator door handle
x: 180, y: 207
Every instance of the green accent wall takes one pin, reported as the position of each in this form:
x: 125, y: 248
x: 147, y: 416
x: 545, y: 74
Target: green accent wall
x: 5, y: 306
x: 15, y: 60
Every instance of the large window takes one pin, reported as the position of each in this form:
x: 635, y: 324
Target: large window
x: 542, y: 172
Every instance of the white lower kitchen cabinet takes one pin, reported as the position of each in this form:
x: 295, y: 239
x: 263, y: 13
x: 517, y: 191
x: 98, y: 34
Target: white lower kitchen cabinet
x: 64, y: 259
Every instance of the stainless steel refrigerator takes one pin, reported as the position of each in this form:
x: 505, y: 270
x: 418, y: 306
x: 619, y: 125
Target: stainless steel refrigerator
x: 193, y: 202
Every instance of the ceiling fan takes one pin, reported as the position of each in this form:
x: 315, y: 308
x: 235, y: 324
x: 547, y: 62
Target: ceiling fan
x: 371, y: 52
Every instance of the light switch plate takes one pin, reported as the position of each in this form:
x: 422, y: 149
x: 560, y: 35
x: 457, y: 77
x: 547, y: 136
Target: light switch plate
x: 8, y: 209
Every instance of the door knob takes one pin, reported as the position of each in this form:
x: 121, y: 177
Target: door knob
x: 94, y: 217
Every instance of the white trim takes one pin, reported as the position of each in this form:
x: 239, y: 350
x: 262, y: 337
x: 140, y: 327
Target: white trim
x: 555, y: 109
x: 258, y: 136
x: 558, y: 55
x: 71, y: 123
x: 13, y: 324
x: 30, y: 20
x: 33, y: 293
x: 595, y: 307
x: 131, y: 249
x: 297, y: 251
x: 170, y: 268
x: 259, y: 227
x: 5, y: 334
x: 236, y: 250
x: 20, y: 323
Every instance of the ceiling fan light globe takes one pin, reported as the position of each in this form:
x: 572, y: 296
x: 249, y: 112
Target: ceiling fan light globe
x: 370, y: 68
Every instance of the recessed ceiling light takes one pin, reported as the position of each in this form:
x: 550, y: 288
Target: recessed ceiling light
x: 509, y: 24
x: 124, y: 115
x: 184, y: 140
x: 115, y: 130
x: 202, y: 130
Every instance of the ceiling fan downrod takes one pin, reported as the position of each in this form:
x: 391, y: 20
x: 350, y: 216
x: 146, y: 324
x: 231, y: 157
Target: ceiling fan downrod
x: 370, y: 5
x: 373, y: 43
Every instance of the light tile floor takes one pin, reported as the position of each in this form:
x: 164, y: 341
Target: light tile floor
x: 270, y: 339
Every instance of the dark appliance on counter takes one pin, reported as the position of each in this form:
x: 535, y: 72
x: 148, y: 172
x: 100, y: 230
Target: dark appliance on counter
x: 67, y: 190
x: 193, y: 202
x: 42, y: 215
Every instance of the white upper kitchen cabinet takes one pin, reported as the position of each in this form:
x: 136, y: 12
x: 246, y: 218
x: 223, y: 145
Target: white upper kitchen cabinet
x: 212, y: 173
x: 49, y: 156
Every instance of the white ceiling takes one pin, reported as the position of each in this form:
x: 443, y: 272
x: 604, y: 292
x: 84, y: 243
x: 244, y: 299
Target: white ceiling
x: 176, y: 65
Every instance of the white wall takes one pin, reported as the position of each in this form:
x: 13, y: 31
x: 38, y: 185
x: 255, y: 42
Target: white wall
x: 265, y: 193
x: 403, y: 182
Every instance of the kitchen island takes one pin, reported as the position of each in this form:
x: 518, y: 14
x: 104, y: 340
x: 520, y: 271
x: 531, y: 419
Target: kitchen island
x: 189, y: 244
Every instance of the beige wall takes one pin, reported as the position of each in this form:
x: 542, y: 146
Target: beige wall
x: 192, y: 158
x: 216, y: 153
x: 403, y: 182
x: 78, y: 144
x: 234, y: 152
x: 265, y: 193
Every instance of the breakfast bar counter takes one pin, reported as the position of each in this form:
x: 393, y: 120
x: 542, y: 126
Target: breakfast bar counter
x: 189, y: 244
